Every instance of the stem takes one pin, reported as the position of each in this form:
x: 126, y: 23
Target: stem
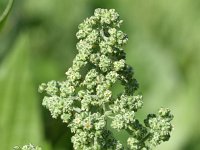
x: 104, y: 108
x: 145, y: 138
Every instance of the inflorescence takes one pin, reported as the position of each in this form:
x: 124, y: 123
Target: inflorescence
x: 27, y: 147
x: 85, y: 102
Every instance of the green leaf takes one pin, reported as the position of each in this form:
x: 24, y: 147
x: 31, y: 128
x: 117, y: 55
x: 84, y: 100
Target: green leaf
x: 20, y: 121
x: 5, y: 14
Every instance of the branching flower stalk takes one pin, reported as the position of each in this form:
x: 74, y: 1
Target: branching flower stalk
x: 85, y: 102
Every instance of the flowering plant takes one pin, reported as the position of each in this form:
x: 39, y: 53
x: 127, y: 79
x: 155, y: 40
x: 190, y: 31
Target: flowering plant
x: 85, y: 102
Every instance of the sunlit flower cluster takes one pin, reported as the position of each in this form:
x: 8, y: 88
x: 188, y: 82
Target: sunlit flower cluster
x: 85, y: 100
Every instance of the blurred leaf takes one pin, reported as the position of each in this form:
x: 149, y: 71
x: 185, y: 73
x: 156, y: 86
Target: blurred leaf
x: 20, y: 121
x: 4, y: 16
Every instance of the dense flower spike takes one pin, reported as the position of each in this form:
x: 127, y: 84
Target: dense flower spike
x: 85, y: 100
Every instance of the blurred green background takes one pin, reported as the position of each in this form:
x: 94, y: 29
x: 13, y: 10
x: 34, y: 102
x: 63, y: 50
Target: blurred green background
x: 38, y: 44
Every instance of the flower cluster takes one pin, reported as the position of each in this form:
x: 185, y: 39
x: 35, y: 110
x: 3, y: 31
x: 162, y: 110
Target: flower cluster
x: 27, y: 147
x: 85, y: 101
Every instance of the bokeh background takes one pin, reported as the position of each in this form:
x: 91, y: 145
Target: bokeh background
x: 38, y: 44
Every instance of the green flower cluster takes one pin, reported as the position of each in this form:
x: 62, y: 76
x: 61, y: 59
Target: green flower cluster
x: 27, y: 147
x: 85, y: 101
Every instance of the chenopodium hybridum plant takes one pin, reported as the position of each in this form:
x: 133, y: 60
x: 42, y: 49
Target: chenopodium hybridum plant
x: 85, y: 102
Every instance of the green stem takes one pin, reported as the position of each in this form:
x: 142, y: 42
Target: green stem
x: 145, y: 138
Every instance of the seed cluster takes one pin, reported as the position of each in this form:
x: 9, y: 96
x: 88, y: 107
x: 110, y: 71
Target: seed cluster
x: 85, y: 101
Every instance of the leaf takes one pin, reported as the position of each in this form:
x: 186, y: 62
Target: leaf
x: 5, y: 14
x: 20, y: 121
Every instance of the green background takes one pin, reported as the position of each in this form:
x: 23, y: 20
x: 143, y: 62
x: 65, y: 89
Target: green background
x: 38, y: 44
